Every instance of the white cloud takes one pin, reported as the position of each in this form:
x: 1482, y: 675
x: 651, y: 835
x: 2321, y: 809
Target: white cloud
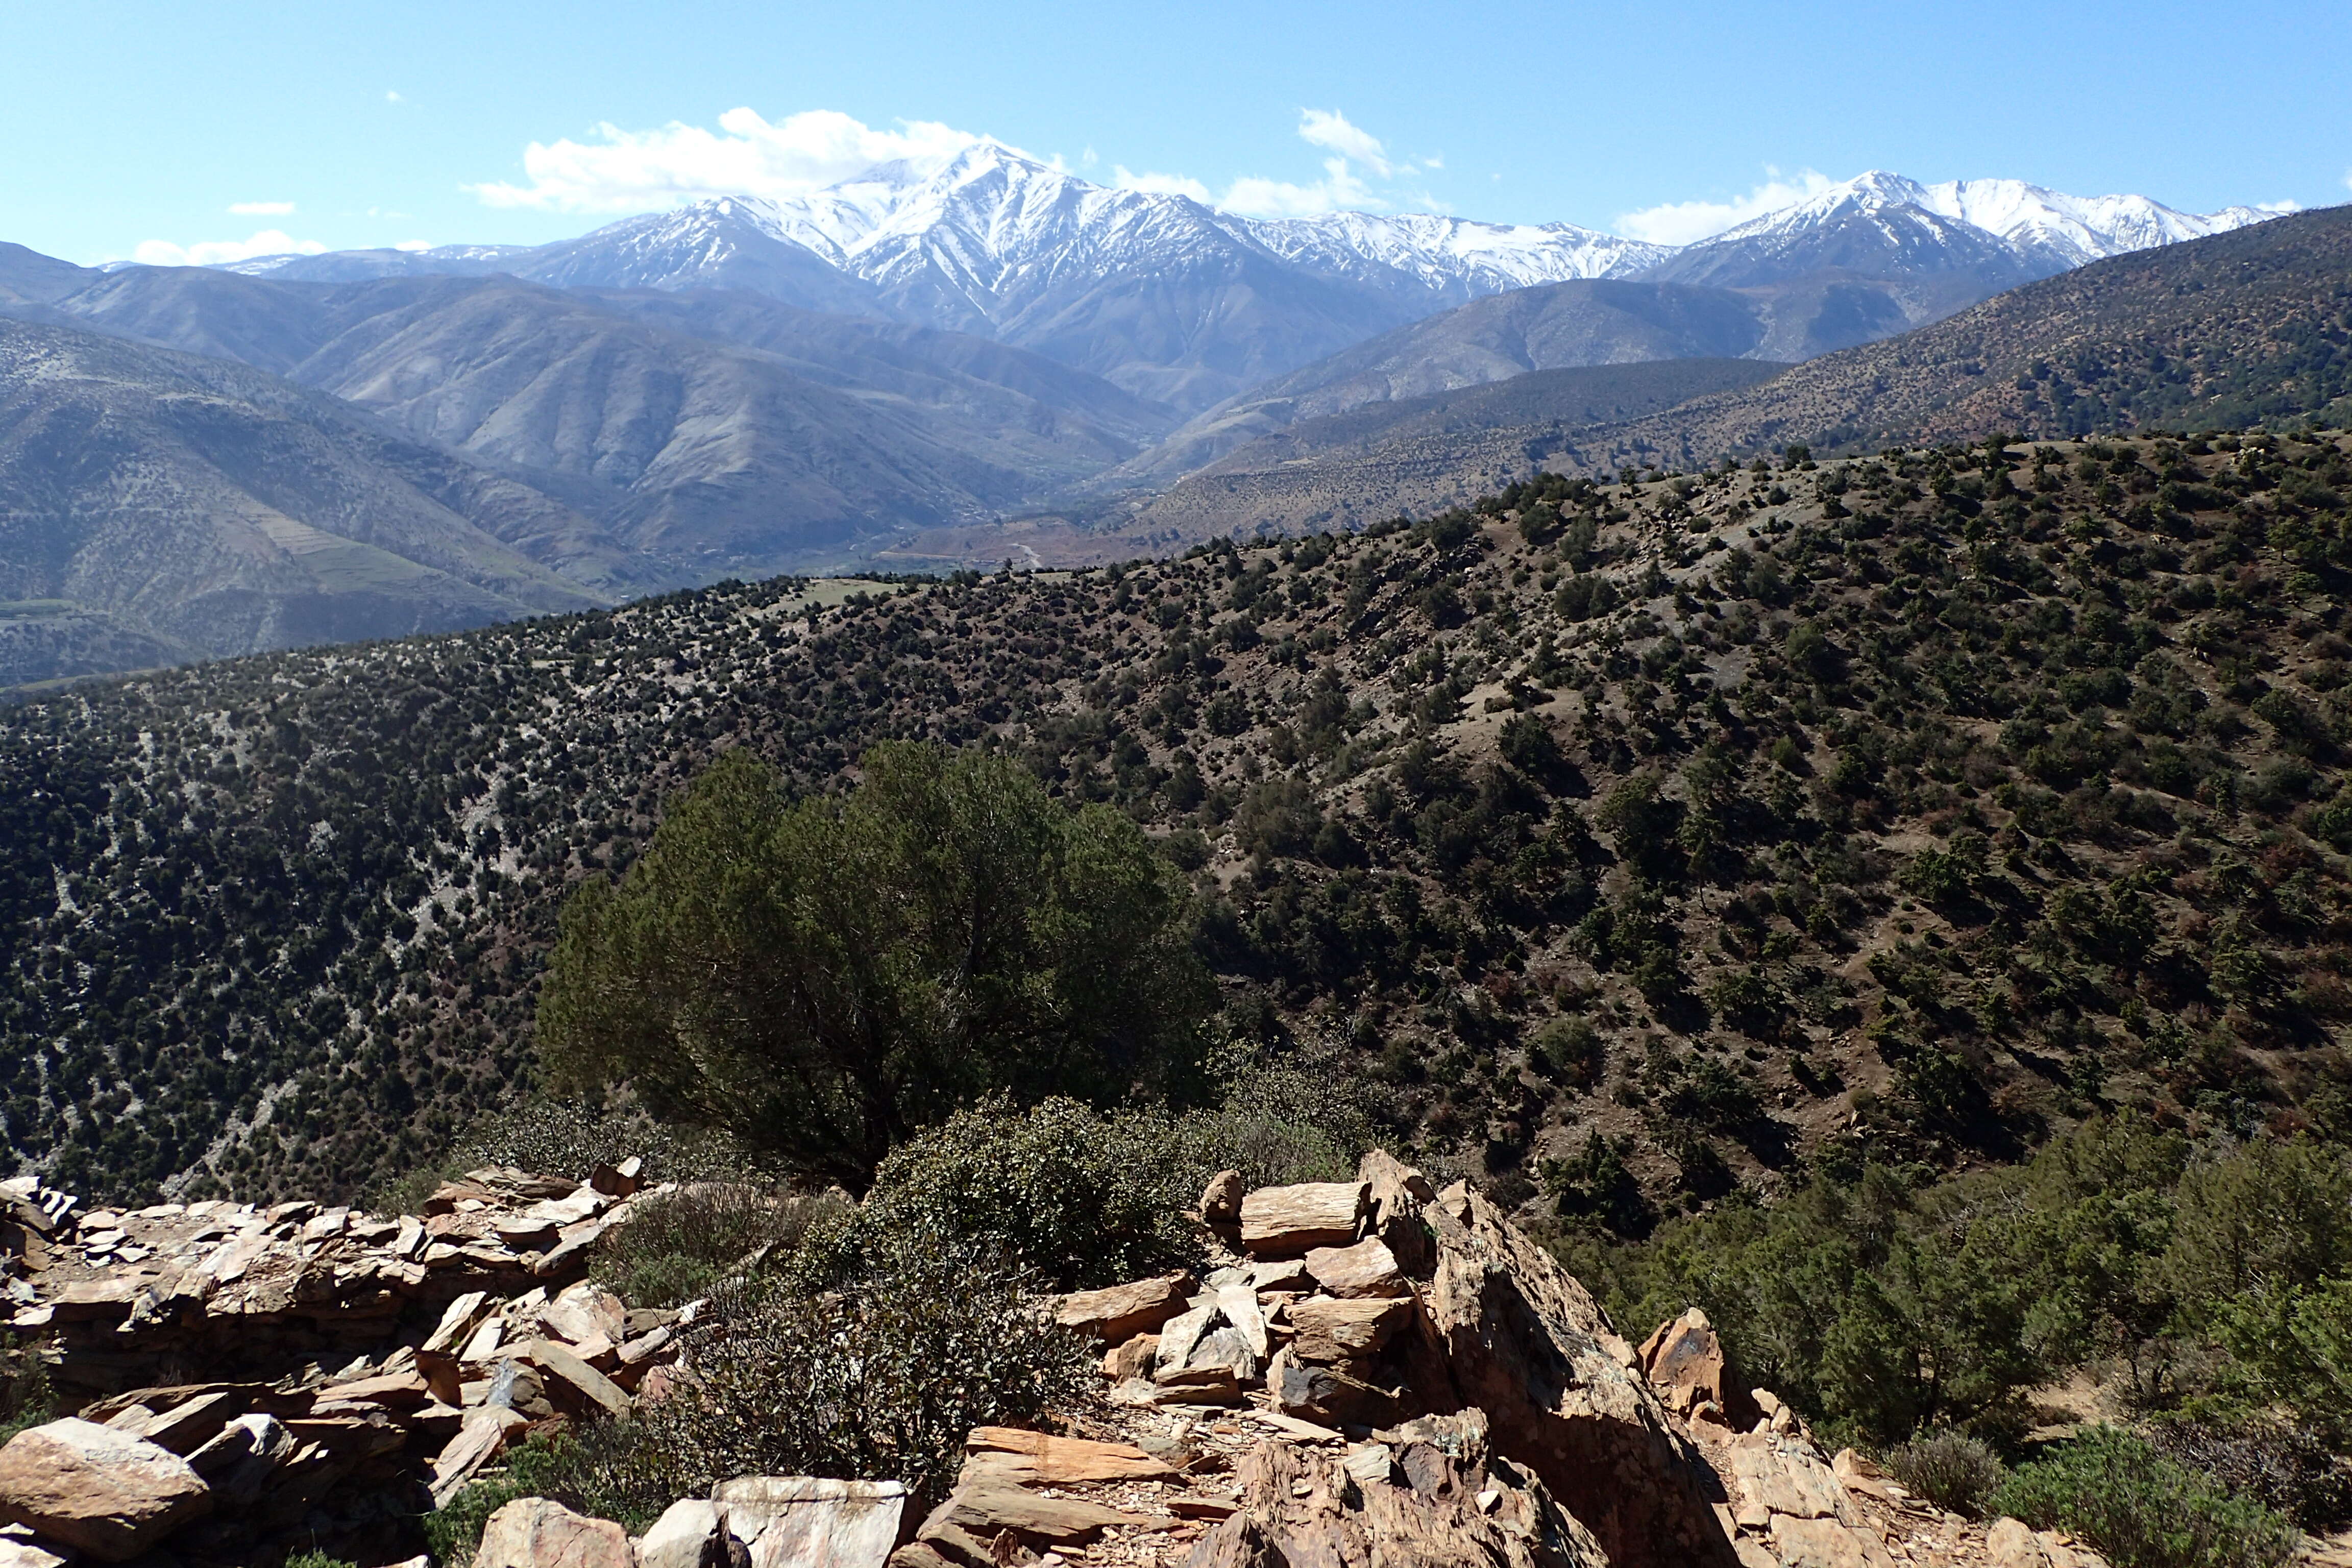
x: 391, y: 97
x: 414, y: 245
x: 1681, y: 222
x: 261, y: 209
x: 1340, y: 187
x: 213, y: 252
x: 2290, y: 205
x: 632, y: 171
x: 1328, y: 128
x: 1126, y: 179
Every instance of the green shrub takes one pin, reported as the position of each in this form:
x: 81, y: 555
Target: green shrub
x: 677, y: 1246
x: 315, y: 1559
x: 2141, y: 1510
x: 1950, y: 1469
x: 566, y: 1138
x: 26, y: 1398
x: 1276, y: 1124
x: 2288, y: 1469
x: 879, y: 1378
x: 1077, y: 1197
x: 550, y: 1467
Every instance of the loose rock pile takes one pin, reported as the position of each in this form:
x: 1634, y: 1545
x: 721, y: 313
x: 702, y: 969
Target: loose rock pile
x: 255, y: 1381
x: 1366, y: 1373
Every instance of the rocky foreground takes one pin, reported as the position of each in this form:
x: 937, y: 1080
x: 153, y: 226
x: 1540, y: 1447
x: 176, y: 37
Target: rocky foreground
x: 1368, y: 1372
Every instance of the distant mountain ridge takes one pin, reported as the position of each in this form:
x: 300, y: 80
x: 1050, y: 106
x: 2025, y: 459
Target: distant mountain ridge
x: 1187, y: 305
x: 2235, y: 329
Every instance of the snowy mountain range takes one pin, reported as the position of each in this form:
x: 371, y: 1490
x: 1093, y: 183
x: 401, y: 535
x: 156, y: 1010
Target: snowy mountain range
x: 1186, y: 304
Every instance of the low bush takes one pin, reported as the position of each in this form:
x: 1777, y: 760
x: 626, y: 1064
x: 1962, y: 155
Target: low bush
x: 2288, y: 1469
x: 1950, y: 1469
x: 544, y: 1465
x: 566, y: 1138
x: 679, y: 1244
x: 879, y: 1378
x: 1277, y: 1125
x: 1077, y: 1197
x: 26, y: 1398
x: 2141, y: 1510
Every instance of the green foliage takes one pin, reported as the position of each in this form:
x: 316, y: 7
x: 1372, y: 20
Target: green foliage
x: 316, y: 1559
x: 821, y: 980
x: 1865, y: 1306
x: 1951, y: 1470
x: 2141, y: 1510
x: 881, y: 1376
x: 679, y: 1244
x: 1077, y: 1197
x: 544, y: 1465
x: 26, y: 1397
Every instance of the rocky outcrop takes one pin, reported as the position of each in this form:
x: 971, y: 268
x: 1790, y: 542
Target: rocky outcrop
x: 1429, y: 1495
x: 1361, y: 1372
x: 358, y: 1369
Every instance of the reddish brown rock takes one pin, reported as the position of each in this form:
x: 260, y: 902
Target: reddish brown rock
x: 1505, y: 1328
x: 1025, y: 1459
x: 1121, y: 1311
x: 532, y: 1532
x: 1331, y: 1332
x: 1286, y: 1221
x: 103, y: 1492
x: 1685, y: 1362
x: 1431, y: 1510
x: 1367, y: 1268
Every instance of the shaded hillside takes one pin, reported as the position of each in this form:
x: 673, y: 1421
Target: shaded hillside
x: 653, y: 411
x: 27, y: 277
x: 2212, y: 334
x: 1586, y: 322
x: 188, y: 503
x: 1631, y: 842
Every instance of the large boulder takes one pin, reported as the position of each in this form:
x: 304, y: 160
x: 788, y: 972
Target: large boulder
x: 1289, y: 1222
x: 1505, y: 1328
x: 104, y: 1492
x: 534, y: 1532
x: 804, y: 1521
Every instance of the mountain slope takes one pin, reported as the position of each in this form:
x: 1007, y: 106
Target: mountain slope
x: 1186, y: 305
x: 27, y: 277
x: 718, y: 433
x: 1552, y: 327
x: 206, y: 506
x: 2211, y: 334
x: 1627, y: 843
x: 2247, y: 325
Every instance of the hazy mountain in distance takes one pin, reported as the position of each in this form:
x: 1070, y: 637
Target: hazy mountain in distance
x: 1558, y: 326
x: 724, y: 433
x: 28, y: 278
x: 206, y: 507
x: 1375, y: 459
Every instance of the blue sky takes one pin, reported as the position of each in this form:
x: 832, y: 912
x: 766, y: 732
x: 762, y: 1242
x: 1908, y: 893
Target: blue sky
x: 129, y: 123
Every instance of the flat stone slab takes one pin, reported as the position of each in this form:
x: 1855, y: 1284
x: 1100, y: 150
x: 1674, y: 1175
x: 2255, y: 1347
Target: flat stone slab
x: 1285, y: 1221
